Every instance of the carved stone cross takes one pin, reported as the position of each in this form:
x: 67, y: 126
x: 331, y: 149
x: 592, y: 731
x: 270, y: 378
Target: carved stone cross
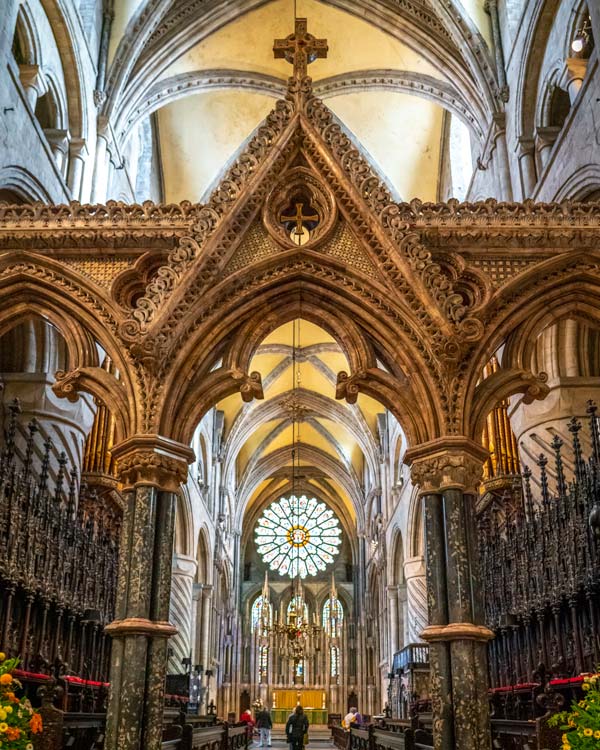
x: 300, y: 48
x: 299, y: 218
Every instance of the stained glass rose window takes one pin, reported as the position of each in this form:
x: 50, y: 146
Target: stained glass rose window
x: 298, y: 535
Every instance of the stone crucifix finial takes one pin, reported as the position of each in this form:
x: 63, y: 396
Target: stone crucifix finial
x: 300, y: 48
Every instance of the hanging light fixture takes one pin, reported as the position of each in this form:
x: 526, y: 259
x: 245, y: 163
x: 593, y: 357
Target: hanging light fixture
x: 582, y: 37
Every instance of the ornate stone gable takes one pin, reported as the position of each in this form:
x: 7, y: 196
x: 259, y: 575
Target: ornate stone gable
x: 401, y: 258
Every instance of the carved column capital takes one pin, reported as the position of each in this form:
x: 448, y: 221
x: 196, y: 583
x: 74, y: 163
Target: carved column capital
x: 414, y: 567
x: 32, y: 77
x: 453, y: 462
x: 184, y: 565
x: 152, y: 460
x: 524, y: 147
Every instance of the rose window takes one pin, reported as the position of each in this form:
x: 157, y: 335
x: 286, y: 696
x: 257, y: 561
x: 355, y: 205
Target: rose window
x: 298, y: 536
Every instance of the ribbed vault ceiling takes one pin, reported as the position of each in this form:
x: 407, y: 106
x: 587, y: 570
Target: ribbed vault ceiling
x: 392, y: 71
x: 336, y: 443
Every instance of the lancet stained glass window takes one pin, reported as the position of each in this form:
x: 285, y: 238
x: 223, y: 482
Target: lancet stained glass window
x: 332, y: 621
x: 298, y: 535
x: 262, y: 614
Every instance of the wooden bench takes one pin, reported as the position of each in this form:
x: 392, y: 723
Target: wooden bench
x: 398, y: 734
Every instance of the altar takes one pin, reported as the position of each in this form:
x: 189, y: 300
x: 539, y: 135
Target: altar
x: 312, y: 701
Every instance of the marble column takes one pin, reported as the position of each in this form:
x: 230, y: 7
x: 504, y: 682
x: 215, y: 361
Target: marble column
x: 448, y: 472
x: 416, y: 598
x: 150, y: 469
x: 180, y: 615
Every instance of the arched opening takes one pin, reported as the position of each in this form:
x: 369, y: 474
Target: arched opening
x: 559, y: 107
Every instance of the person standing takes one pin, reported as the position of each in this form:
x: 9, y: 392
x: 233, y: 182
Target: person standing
x: 246, y: 718
x: 264, y: 724
x: 296, y: 728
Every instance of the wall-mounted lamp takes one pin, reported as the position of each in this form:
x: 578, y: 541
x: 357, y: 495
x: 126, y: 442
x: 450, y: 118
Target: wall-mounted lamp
x: 582, y: 37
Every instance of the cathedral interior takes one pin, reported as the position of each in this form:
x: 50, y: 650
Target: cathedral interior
x: 299, y: 366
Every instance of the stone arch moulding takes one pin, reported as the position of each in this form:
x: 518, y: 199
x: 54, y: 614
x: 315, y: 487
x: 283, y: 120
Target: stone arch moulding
x: 569, y: 287
x: 350, y: 338
x: 34, y: 286
x: 397, y: 548
x: 567, y: 284
x: 539, y: 26
x: 184, y: 524
x: 580, y: 184
x: 63, y: 20
x: 448, y: 37
x: 26, y: 186
x: 167, y: 90
x: 27, y: 35
x: 390, y: 388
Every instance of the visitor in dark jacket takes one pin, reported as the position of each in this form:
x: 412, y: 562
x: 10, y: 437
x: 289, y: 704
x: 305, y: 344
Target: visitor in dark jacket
x: 264, y: 724
x: 296, y: 728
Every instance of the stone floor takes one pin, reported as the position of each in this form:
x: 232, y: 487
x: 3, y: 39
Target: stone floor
x: 319, y: 739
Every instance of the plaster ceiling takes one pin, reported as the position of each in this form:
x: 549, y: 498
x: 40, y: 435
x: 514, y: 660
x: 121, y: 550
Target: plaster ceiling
x: 200, y: 134
x: 247, y: 44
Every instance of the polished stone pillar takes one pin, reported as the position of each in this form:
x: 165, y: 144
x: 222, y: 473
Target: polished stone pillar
x: 439, y: 651
x: 448, y: 471
x: 150, y: 469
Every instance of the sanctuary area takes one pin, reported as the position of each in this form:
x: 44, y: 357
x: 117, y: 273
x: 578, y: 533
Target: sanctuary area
x: 299, y: 374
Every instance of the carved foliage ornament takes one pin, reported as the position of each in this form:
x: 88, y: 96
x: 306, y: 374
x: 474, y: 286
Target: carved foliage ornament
x: 207, y: 220
x: 444, y: 468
